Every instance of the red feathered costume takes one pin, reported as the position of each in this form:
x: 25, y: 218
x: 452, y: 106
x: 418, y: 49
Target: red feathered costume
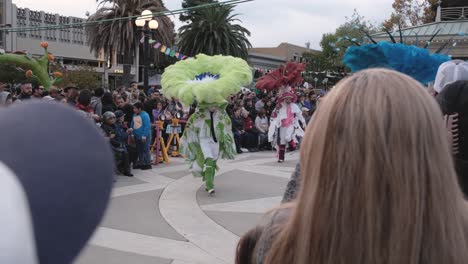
x: 286, y: 123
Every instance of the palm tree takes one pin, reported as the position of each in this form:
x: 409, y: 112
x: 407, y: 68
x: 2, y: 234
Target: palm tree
x: 121, y: 37
x: 213, y: 32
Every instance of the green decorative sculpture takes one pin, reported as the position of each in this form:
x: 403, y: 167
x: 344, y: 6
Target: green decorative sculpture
x: 36, y: 69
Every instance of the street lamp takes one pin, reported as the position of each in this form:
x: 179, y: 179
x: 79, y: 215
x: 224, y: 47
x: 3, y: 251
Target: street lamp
x: 147, y: 24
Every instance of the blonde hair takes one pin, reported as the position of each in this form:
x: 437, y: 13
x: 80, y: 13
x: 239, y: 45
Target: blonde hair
x: 378, y: 183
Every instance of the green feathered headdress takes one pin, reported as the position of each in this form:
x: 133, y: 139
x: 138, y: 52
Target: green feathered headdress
x: 206, y: 79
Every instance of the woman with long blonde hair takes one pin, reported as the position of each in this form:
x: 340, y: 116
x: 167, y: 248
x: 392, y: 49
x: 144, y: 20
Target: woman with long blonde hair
x: 378, y: 181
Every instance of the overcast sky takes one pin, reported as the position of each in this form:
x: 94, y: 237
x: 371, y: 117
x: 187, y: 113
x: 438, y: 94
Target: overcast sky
x: 270, y: 21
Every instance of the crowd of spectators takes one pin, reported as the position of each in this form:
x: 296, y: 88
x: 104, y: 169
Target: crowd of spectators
x: 251, y: 112
x: 128, y: 115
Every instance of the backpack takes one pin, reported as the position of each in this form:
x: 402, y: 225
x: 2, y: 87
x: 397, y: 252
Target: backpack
x: 94, y: 104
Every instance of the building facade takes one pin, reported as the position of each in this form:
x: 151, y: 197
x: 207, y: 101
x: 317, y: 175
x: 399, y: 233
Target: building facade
x: 285, y: 51
x: 69, y: 45
x: 264, y: 60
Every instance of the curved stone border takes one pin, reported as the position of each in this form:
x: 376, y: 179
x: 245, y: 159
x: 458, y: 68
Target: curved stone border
x: 178, y: 205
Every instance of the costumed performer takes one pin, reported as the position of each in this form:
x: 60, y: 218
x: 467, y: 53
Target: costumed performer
x: 208, y: 80
x: 287, y: 123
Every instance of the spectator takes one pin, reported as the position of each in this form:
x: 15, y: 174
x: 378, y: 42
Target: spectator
x: 26, y: 91
x: 134, y: 97
x: 302, y: 103
x: 152, y: 89
x: 262, y: 124
x: 117, y: 142
x: 175, y: 106
x: 123, y: 137
x: 55, y: 93
x: 37, y: 92
x: 251, y: 96
x: 107, y: 103
x: 393, y: 199
x: 134, y: 87
x: 249, y: 106
x: 269, y: 108
x: 151, y: 104
x: 142, y: 98
x: 3, y: 87
x: 157, y: 111
x: 237, y: 128
x: 5, y: 98
x: 121, y: 90
x: 306, y: 115
x: 261, y: 103
x: 83, y: 105
x: 452, y: 84
x: 96, y: 103
x: 124, y: 106
x: 141, y: 129
x: 231, y: 105
x: 71, y: 95
x: 240, y: 103
x: 250, y: 135
x: 312, y: 102
x: 453, y: 100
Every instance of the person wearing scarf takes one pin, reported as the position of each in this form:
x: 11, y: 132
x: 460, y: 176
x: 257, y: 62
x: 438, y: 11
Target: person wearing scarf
x: 286, y: 126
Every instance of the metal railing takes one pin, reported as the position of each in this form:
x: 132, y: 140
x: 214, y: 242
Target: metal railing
x: 455, y: 13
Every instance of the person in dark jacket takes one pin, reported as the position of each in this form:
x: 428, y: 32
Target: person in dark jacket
x: 453, y: 99
x: 117, y: 143
x: 237, y: 128
x: 126, y: 108
x: 123, y: 137
x: 250, y: 107
x: 250, y: 136
x: 107, y: 103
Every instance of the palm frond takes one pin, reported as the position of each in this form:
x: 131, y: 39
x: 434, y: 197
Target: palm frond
x: 214, y: 32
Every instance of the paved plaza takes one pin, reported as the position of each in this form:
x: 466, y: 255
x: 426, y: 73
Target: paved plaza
x: 164, y: 216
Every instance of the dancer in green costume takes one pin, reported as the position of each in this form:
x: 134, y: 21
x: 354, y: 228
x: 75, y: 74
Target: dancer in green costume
x: 208, y: 135
x: 35, y: 68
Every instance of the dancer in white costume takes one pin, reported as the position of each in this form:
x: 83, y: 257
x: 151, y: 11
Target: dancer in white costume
x: 208, y: 80
x: 288, y: 125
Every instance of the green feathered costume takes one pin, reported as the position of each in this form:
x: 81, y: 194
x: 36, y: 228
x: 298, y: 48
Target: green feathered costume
x: 208, y: 135
x: 35, y: 68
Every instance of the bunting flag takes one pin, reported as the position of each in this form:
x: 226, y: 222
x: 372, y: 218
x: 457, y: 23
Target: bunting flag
x: 166, y: 50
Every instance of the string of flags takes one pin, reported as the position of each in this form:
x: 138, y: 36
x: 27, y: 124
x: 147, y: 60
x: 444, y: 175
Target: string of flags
x: 166, y: 50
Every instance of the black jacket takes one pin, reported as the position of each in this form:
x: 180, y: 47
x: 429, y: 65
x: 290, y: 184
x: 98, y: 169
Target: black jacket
x: 454, y: 99
x: 111, y: 130
x: 237, y: 124
x: 128, y: 111
x: 108, y: 108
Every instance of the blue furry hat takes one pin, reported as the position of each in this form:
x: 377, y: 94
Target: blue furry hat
x: 410, y: 60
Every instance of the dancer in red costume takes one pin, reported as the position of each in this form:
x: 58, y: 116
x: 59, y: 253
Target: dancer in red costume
x: 287, y: 124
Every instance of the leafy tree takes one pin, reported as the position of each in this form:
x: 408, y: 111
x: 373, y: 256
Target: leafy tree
x: 316, y: 62
x: 11, y: 74
x: 213, y: 32
x: 121, y: 37
x: 417, y: 12
x: 334, y: 45
x: 85, y: 77
x: 187, y: 16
